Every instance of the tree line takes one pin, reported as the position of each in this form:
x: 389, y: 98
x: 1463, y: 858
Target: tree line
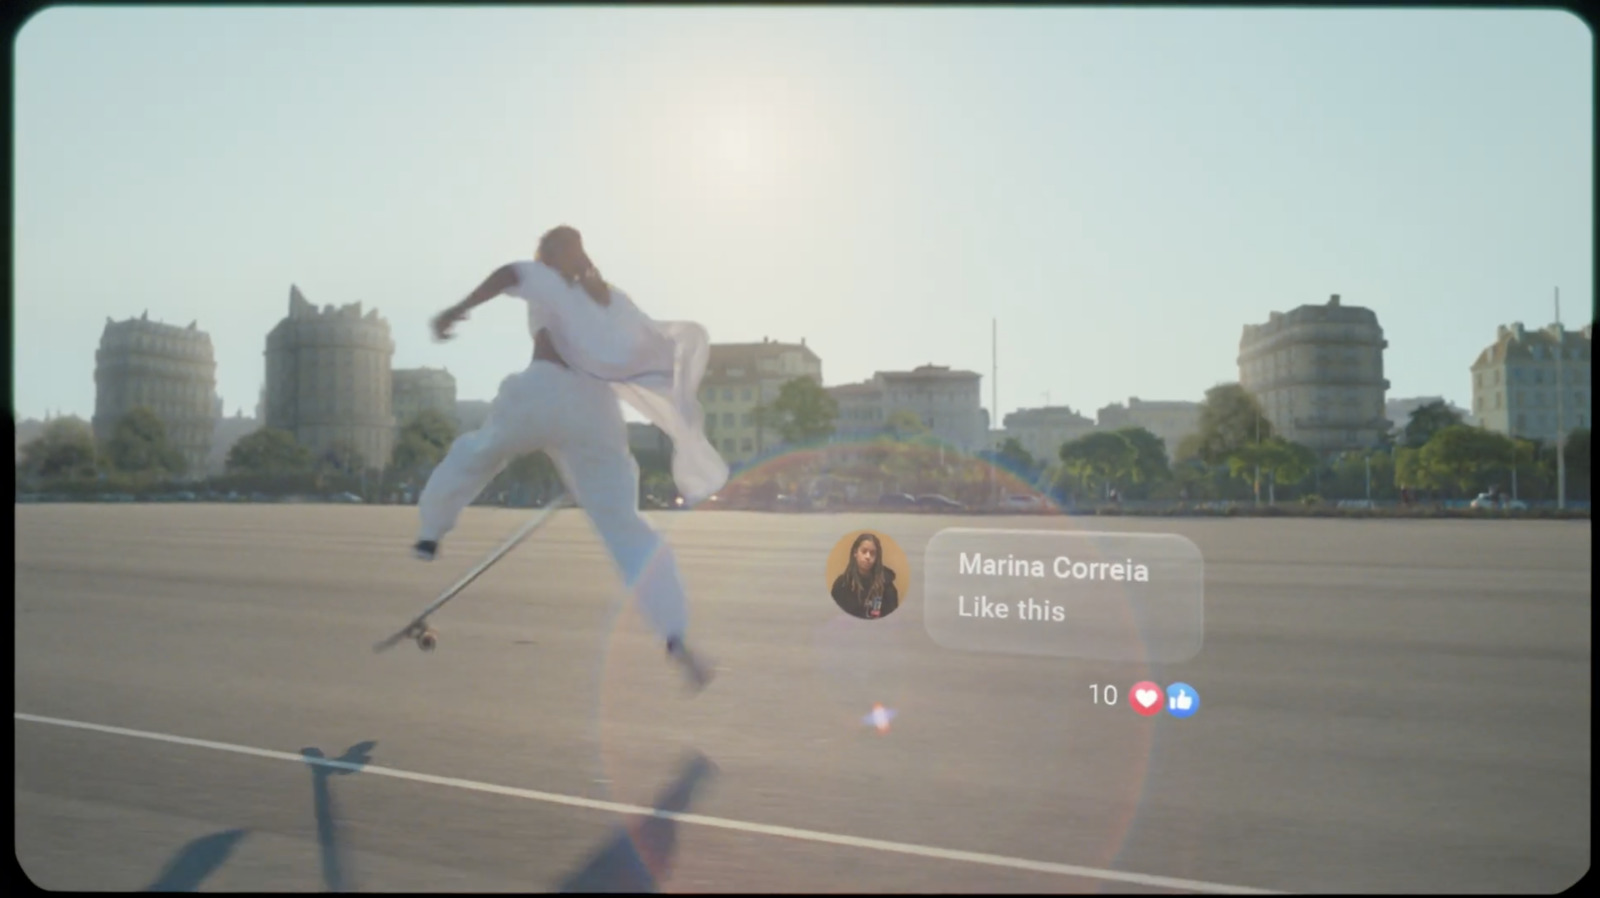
x: 1236, y: 454
x: 139, y: 455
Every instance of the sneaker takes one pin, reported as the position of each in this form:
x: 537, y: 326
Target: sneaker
x: 695, y: 668
x: 425, y: 549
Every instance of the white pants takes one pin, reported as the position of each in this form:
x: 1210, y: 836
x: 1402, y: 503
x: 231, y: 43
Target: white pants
x: 577, y: 421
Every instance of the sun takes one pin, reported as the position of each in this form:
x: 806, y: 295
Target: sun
x: 740, y: 149
x: 734, y: 146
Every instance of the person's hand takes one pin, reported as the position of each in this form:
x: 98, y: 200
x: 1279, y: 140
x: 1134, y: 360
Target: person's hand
x: 444, y: 321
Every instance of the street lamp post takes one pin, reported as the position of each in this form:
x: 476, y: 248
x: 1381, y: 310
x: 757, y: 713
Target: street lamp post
x: 1258, y: 457
x: 1513, y: 468
x: 1561, y: 427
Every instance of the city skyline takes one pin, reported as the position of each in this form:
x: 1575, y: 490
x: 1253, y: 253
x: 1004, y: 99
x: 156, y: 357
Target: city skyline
x: 1123, y: 211
x: 1114, y: 396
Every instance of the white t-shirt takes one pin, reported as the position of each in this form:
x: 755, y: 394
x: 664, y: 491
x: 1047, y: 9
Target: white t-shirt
x: 614, y: 342
x: 654, y: 366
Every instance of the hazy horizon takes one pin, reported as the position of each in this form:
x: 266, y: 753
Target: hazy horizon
x: 1124, y: 190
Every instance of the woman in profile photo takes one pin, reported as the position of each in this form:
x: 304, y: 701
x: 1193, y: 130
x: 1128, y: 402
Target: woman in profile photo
x: 866, y: 588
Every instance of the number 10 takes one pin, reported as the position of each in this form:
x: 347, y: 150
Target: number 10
x: 1110, y: 694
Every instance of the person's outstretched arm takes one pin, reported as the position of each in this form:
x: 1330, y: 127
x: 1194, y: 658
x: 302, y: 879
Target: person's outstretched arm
x: 502, y: 279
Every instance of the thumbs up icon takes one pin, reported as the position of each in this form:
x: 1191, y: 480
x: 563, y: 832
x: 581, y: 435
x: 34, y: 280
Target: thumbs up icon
x: 1182, y: 700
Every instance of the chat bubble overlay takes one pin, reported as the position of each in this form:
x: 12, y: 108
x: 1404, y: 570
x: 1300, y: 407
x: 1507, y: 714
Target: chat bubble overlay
x: 1137, y: 597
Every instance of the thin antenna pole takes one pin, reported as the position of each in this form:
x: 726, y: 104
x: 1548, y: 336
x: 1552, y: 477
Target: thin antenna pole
x: 994, y: 395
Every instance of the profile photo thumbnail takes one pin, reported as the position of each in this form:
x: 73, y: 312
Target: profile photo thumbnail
x: 869, y: 576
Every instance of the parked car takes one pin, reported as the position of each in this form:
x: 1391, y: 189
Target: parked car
x: 1491, y: 500
x: 1022, y: 503
x: 935, y: 501
x: 897, y: 500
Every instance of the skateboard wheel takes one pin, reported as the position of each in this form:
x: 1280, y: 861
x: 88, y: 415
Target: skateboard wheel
x: 427, y: 641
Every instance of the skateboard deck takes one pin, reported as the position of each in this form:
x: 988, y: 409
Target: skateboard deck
x: 418, y: 628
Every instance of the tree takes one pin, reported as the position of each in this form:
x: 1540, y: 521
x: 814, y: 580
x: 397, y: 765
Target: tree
x: 1230, y: 417
x: 270, y: 451
x: 802, y: 413
x: 1287, y: 463
x: 527, y: 477
x: 1188, y: 449
x: 341, y: 457
x: 65, y: 449
x: 1382, y: 463
x: 139, y: 445
x: 1576, y: 450
x: 901, y: 466
x: 1411, y: 473
x: 1461, y: 455
x: 1103, y: 455
x: 1193, y: 479
x: 652, y: 460
x: 423, y: 442
x: 1248, y: 461
x: 1428, y: 420
x: 904, y: 424
x: 1530, y: 470
x: 1149, y: 464
x: 1349, y: 473
x: 1014, y: 458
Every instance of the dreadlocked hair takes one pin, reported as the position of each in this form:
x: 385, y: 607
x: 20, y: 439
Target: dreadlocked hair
x: 870, y: 586
x: 564, y: 242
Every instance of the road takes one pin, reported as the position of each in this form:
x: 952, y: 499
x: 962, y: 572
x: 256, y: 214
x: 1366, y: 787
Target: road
x: 1386, y: 706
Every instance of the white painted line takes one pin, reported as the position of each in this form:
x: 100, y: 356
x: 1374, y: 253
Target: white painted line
x: 782, y: 832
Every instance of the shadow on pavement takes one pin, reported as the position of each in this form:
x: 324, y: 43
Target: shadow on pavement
x: 196, y: 861
x: 640, y: 856
x: 334, y: 866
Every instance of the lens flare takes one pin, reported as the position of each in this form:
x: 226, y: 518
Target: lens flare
x: 835, y: 667
x: 878, y: 718
x: 855, y: 472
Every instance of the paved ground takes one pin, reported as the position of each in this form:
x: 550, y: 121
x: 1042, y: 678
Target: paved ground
x: 1386, y: 706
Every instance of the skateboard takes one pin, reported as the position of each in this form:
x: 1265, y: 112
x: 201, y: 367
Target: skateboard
x: 418, y: 629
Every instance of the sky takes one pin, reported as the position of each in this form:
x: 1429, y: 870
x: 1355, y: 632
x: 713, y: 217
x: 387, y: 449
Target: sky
x: 1120, y: 191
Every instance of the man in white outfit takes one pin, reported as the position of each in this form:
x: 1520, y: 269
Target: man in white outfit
x: 592, y: 348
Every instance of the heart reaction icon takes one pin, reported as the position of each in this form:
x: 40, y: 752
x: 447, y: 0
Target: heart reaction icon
x: 1146, y: 698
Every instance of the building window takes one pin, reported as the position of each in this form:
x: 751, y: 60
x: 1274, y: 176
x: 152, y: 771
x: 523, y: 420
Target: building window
x: 727, y: 395
x: 745, y: 395
x: 727, y: 445
x: 747, y: 445
x: 748, y: 419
